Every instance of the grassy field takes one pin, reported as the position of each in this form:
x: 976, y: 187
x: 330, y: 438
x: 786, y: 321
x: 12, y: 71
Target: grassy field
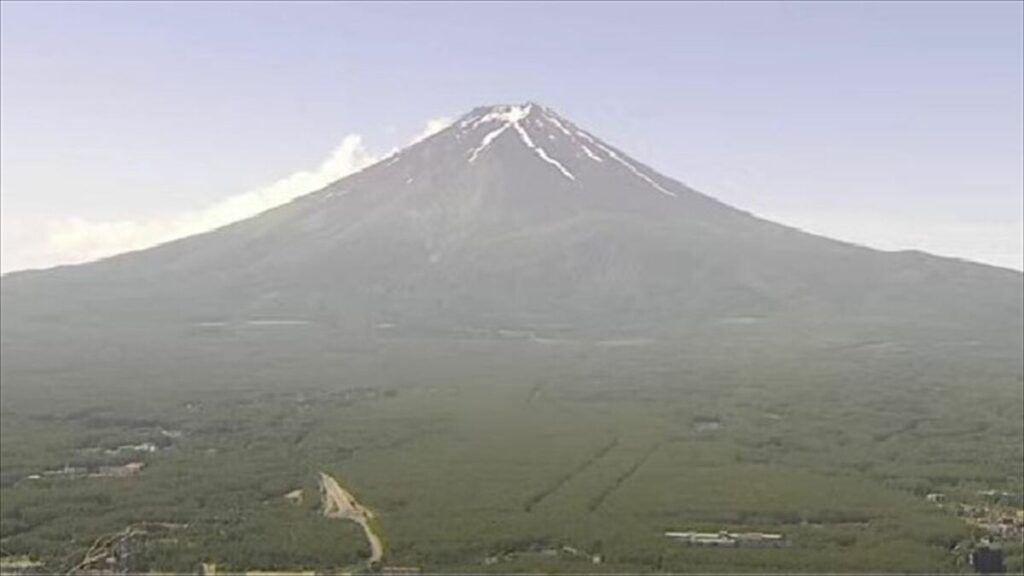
x: 516, y: 456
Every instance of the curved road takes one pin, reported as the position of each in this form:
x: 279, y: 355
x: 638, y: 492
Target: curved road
x: 338, y: 503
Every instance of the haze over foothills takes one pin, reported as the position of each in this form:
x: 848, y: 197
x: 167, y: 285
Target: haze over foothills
x: 124, y: 125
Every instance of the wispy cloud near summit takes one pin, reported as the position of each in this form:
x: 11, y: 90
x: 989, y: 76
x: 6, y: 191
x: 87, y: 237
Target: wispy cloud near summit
x: 74, y: 240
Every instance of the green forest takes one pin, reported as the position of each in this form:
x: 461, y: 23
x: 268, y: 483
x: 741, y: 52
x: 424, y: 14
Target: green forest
x: 509, y: 457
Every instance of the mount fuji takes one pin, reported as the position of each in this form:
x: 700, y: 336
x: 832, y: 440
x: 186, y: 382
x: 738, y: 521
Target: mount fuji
x: 515, y: 219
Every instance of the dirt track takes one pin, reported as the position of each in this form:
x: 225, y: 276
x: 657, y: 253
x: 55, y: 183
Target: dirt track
x: 338, y: 503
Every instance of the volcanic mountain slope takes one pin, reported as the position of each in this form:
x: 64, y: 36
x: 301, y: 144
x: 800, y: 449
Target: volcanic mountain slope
x: 514, y: 217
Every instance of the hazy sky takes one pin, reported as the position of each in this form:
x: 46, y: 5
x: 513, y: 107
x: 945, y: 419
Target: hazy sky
x: 892, y: 125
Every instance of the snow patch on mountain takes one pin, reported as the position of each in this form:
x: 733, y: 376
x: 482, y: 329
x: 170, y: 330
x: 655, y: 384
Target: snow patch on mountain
x: 506, y: 114
x: 487, y: 141
x: 611, y: 153
x: 541, y: 152
x: 512, y: 117
x: 557, y: 124
x: 591, y: 154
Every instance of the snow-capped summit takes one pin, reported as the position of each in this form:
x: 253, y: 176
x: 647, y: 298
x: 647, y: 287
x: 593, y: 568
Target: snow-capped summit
x: 536, y: 125
x: 502, y: 112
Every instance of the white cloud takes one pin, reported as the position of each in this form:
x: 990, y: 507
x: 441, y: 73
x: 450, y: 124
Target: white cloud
x: 433, y: 127
x: 73, y: 240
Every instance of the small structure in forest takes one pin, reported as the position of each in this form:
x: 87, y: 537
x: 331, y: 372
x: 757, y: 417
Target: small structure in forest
x: 727, y: 539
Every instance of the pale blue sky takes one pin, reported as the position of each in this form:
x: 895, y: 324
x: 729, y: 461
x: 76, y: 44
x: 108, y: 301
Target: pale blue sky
x: 891, y: 124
